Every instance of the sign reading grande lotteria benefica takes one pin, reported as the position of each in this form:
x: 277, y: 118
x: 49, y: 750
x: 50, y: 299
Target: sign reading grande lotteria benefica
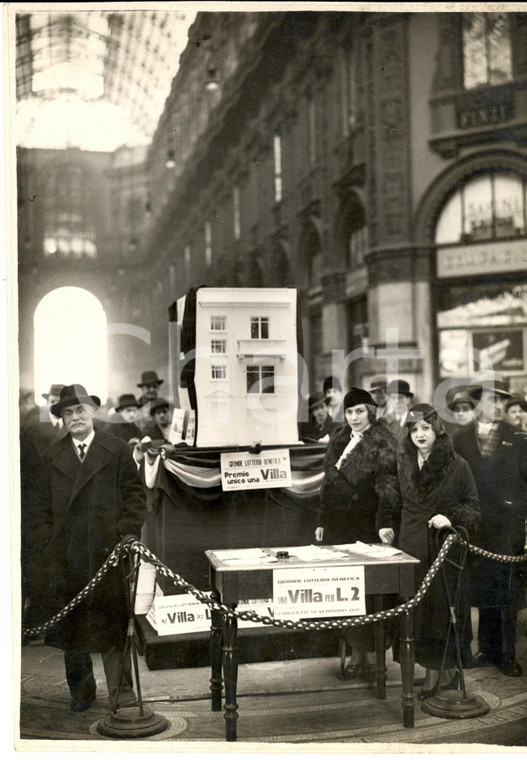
x: 242, y: 470
x: 319, y: 592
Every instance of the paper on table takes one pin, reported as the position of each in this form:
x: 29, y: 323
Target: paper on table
x: 314, y: 552
x: 371, y: 550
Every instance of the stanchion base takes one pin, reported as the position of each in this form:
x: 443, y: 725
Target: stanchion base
x: 128, y: 723
x: 452, y: 704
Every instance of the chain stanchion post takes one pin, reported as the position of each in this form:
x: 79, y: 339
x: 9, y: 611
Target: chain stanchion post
x: 454, y: 703
x: 137, y: 721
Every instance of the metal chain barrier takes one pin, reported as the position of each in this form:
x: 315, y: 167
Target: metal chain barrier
x: 131, y: 545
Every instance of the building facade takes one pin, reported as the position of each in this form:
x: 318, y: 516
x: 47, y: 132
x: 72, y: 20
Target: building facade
x: 376, y: 162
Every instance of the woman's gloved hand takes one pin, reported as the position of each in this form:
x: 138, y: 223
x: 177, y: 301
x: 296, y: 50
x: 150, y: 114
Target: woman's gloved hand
x: 439, y: 521
x: 387, y: 535
x: 319, y: 534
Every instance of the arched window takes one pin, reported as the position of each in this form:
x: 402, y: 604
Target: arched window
x: 70, y: 342
x: 489, y: 207
x: 70, y: 214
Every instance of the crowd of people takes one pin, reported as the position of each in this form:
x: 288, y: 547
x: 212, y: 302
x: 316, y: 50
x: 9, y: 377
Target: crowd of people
x: 405, y: 474
x: 395, y: 472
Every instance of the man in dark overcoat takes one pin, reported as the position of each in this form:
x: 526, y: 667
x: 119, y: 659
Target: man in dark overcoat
x: 95, y: 498
x: 497, y: 455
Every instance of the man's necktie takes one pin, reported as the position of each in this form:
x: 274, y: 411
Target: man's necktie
x: 81, y: 448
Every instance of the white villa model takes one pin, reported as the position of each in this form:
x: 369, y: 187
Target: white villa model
x: 246, y: 365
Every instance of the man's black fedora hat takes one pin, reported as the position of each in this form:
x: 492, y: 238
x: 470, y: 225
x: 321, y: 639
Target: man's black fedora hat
x: 73, y: 394
x: 149, y: 378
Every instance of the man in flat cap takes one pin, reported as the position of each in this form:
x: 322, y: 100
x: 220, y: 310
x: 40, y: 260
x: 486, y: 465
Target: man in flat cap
x: 497, y: 455
x: 94, y: 498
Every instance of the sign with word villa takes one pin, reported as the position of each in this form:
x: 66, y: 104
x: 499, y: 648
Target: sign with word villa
x: 319, y: 592
x: 241, y: 470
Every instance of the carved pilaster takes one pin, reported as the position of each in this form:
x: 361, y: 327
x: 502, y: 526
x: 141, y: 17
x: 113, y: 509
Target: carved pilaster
x: 391, y: 133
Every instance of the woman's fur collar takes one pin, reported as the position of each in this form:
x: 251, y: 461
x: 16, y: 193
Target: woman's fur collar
x: 439, y: 463
x: 374, y: 456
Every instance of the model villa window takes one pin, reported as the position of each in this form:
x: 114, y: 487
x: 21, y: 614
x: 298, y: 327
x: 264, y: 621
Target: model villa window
x: 260, y: 379
x: 218, y: 346
x: 259, y: 327
x: 219, y: 372
x: 217, y: 324
x: 486, y: 49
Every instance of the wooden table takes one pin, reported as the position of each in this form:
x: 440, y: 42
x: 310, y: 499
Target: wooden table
x: 230, y: 584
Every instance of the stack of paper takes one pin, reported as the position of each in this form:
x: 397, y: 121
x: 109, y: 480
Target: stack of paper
x: 377, y: 551
x: 245, y: 557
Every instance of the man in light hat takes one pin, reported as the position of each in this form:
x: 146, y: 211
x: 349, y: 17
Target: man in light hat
x: 378, y: 385
x: 497, y: 455
x: 399, y: 400
x: 93, y: 498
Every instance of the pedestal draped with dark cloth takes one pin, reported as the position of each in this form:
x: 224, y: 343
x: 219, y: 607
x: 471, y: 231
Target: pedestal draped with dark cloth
x: 195, y: 519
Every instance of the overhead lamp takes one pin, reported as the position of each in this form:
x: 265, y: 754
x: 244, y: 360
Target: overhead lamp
x: 212, y: 84
x: 171, y: 159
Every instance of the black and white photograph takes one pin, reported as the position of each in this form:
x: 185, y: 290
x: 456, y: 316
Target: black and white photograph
x: 266, y: 440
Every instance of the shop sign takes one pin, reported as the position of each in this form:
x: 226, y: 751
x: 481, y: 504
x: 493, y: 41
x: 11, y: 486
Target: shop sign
x: 502, y: 348
x: 313, y: 592
x: 482, y: 108
x: 485, y: 258
x: 242, y: 471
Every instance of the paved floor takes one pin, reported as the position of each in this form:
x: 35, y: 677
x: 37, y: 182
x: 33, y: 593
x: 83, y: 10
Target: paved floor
x: 283, y: 705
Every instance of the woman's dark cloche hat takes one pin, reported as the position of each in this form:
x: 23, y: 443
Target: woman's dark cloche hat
x: 149, y: 378
x: 127, y: 399
x: 73, y: 394
x: 419, y: 412
x: 357, y: 396
x: 400, y: 386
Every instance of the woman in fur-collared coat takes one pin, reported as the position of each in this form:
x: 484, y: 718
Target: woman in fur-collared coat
x: 438, y: 491
x: 360, y: 477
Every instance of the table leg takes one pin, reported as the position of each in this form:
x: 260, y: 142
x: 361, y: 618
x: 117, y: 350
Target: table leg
x: 216, y: 646
x: 407, y: 656
x: 230, y: 672
x: 380, y: 649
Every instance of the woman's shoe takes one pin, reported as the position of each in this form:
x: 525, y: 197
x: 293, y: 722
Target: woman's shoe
x: 427, y: 693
